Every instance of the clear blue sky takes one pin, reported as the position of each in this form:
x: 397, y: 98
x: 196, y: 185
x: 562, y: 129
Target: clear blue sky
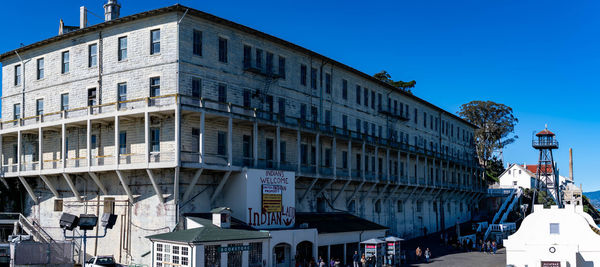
x: 539, y: 57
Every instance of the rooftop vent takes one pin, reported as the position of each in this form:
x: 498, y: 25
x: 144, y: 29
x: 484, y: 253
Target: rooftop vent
x: 111, y: 10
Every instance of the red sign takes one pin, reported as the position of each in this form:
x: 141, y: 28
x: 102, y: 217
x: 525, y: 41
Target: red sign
x: 371, y: 246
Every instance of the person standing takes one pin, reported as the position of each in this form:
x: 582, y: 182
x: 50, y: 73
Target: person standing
x: 355, y: 259
x: 363, y: 260
x: 321, y: 262
x: 494, y: 246
x: 418, y: 253
x: 427, y: 255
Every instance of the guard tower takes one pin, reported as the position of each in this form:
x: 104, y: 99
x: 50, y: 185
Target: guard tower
x: 547, y: 177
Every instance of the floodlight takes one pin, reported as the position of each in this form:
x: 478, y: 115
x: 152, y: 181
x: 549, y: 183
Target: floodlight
x: 68, y: 221
x: 87, y: 221
x: 108, y: 220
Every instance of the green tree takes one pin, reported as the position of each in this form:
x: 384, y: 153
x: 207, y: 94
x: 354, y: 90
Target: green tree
x: 387, y: 78
x: 496, y: 124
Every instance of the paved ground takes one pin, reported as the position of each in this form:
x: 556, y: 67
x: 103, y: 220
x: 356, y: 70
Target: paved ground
x: 465, y: 259
x: 448, y: 256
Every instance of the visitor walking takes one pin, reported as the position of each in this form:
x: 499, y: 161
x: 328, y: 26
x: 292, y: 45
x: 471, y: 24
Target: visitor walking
x: 355, y: 259
x: 418, y: 253
x: 363, y: 260
x: 494, y: 246
x: 427, y: 255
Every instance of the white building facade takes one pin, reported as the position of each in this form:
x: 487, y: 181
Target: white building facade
x: 153, y: 115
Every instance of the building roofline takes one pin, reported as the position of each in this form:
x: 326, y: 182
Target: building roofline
x: 222, y: 21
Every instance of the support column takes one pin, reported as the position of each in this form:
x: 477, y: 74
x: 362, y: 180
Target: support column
x: 376, y: 163
x: 407, y: 167
x: 278, y: 146
x: 201, y: 138
x: 63, y: 145
x: 399, y: 164
x: 177, y: 133
x: 1, y: 157
x: 88, y: 143
x: 362, y: 161
x: 117, y: 148
x: 18, y: 156
x: 255, y: 143
x: 147, y: 138
x: 29, y: 190
x: 387, y: 164
x: 349, y: 159
x: 334, y: 158
x: 298, y: 152
x: 318, y: 154
x: 230, y: 141
x: 40, y: 148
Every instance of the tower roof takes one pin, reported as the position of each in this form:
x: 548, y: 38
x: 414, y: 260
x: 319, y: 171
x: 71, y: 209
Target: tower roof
x: 544, y: 133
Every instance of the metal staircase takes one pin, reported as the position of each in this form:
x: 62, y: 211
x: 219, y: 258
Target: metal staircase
x: 40, y: 235
x: 504, y: 210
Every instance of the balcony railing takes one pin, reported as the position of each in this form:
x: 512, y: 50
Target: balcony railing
x: 79, y: 112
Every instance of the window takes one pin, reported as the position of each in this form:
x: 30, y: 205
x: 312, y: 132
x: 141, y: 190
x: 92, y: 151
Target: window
x: 196, y: 87
x: 91, y: 97
x: 122, y: 91
x: 123, y: 142
x: 327, y: 83
x: 269, y: 63
x: 313, y: 78
x: 39, y: 107
x: 358, y: 126
x: 327, y: 117
x: 16, y: 111
x: 424, y: 119
x: 303, y: 75
x: 222, y: 93
x: 155, y: 140
x: 221, y: 143
x: 197, y: 43
x: 344, y: 89
x: 65, y: 62
x: 314, y: 113
x: 247, y: 57
x: 255, y: 254
x: 222, y: 50
x: 155, y: 87
x: 281, y: 67
x: 345, y: 159
x: 304, y: 154
x: 313, y: 155
x: 18, y: 74
x: 514, y: 182
x: 366, y: 102
x: 345, y: 122
x: 92, y: 55
x: 247, y: 99
x: 40, y: 68
x: 259, y: 56
x: 64, y: 101
x: 416, y: 116
x: 122, y: 54
x: 94, y: 141
x: 303, y: 112
x: 154, y: 42
x: 358, y: 94
x: 172, y: 255
x: 327, y: 157
x: 554, y: 228
x: 358, y: 162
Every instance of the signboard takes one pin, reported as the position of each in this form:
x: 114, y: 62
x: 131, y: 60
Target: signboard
x: 550, y: 263
x: 271, y: 198
x: 234, y: 249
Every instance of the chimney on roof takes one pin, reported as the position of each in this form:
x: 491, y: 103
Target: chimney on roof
x: 571, y: 163
x: 111, y: 10
x: 221, y: 217
x: 61, y: 27
x: 82, y: 17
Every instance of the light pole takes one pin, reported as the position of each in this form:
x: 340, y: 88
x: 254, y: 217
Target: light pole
x: 86, y: 222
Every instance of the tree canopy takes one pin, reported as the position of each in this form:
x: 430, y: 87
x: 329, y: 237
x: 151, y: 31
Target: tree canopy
x: 496, y: 124
x: 387, y: 78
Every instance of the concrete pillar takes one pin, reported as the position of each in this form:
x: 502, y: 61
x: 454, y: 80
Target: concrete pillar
x: 117, y: 150
x: 349, y: 159
x: 88, y: 143
x: 278, y: 146
x: 318, y: 154
x: 407, y: 167
x: 387, y: 164
x: 2, y: 155
x: 40, y: 148
x: 19, y: 150
x: 298, y: 154
x: 334, y: 157
x: 147, y: 138
x: 229, y: 141
x: 177, y: 131
x: 255, y: 143
x: 376, y: 167
x: 63, y: 145
x: 201, y: 138
x: 362, y: 161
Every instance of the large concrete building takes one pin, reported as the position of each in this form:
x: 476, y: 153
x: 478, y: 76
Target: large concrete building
x: 148, y: 116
